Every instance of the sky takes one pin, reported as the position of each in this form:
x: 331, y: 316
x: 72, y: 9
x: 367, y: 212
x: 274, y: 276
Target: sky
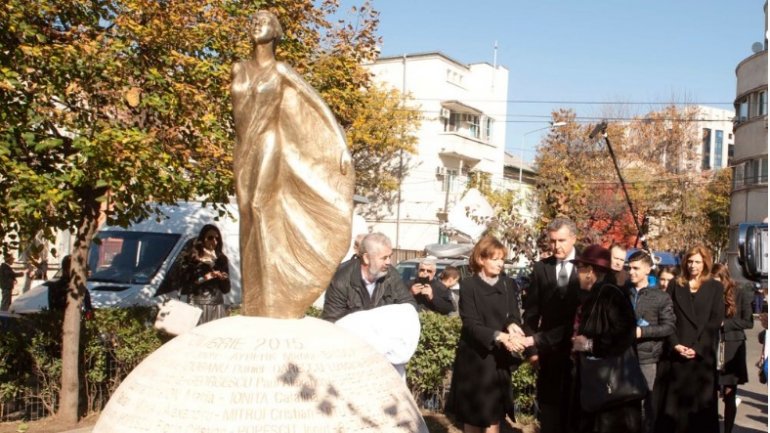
x: 594, y: 52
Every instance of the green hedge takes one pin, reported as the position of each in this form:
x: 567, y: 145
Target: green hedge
x: 112, y: 342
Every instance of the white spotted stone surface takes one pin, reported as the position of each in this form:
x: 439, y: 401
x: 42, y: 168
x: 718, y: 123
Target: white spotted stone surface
x: 260, y: 375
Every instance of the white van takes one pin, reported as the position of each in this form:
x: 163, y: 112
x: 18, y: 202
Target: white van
x: 128, y: 266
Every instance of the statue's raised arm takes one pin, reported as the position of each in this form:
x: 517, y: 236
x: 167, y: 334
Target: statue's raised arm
x: 293, y: 178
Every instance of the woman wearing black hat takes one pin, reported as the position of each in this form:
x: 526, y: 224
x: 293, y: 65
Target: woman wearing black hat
x: 604, y: 326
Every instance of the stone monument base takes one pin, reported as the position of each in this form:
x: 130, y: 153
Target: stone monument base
x: 263, y: 375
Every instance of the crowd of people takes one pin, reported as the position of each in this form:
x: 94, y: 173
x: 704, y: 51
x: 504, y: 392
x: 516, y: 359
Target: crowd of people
x: 682, y: 327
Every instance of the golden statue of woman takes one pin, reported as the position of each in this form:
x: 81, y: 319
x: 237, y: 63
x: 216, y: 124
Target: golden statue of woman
x: 293, y: 178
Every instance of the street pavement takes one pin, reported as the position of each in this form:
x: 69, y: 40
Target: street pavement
x: 752, y: 412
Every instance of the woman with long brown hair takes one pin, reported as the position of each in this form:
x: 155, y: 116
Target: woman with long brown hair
x: 690, y: 402
x: 207, y: 270
x: 738, y: 317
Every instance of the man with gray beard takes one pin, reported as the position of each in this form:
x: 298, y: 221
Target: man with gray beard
x: 365, y: 282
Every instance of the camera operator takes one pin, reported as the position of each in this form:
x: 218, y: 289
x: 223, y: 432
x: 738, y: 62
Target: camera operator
x: 429, y: 292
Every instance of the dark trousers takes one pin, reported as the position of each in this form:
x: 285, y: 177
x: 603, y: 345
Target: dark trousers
x: 553, y: 417
x: 5, y: 303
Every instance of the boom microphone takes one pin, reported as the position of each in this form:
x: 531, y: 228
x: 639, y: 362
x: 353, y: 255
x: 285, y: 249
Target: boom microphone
x: 601, y: 127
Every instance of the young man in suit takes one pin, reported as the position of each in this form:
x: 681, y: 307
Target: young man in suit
x: 549, y: 312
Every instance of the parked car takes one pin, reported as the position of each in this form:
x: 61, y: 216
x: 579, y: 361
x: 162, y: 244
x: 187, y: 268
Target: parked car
x: 408, y: 268
x: 661, y: 258
x: 129, y: 266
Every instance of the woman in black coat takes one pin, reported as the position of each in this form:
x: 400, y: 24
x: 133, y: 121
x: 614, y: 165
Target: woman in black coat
x: 690, y: 402
x: 738, y: 317
x: 481, y: 393
x: 206, y: 268
x: 605, y: 327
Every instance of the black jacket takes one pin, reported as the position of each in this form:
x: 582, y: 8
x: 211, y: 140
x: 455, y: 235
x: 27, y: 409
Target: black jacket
x: 481, y: 392
x: 8, y: 276
x: 734, y: 326
x: 208, y: 292
x: 548, y: 316
x: 654, y: 307
x: 442, y: 298
x: 347, y: 292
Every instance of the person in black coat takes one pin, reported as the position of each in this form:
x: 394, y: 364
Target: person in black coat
x: 605, y: 326
x: 428, y: 291
x: 481, y: 394
x: 58, y: 289
x: 690, y: 402
x: 7, y: 280
x: 738, y: 318
x: 208, y: 270
x: 549, y: 309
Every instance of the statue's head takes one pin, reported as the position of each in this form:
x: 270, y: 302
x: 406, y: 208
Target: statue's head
x: 264, y: 27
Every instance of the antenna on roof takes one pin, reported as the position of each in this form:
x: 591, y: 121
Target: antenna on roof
x: 494, y: 57
x: 757, y: 47
x: 494, y: 66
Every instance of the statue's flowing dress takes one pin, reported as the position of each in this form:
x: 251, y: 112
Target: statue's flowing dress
x: 294, y: 183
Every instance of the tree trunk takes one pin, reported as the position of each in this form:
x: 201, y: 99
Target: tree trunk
x: 70, y: 380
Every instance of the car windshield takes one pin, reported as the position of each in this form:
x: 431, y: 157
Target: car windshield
x: 408, y: 271
x: 128, y: 257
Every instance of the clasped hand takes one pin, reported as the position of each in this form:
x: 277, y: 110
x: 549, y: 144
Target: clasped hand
x: 581, y: 343
x: 684, y: 351
x: 514, y: 340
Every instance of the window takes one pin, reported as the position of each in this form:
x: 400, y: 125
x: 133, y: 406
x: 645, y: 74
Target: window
x: 465, y: 123
x: 448, y: 184
x: 742, y: 112
x: 730, y: 153
x: 488, y: 128
x: 738, y: 178
x: 128, y: 257
x: 454, y: 77
x: 718, y: 138
x: 706, y: 162
x: 473, y: 126
x: 762, y: 103
x: 452, y: 122
x: 755, y: 172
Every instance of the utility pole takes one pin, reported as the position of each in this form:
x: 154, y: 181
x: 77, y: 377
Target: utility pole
x: 400, y: 161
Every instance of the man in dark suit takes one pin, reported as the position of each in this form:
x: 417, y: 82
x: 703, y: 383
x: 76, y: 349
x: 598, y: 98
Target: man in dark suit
x: 549, y: 314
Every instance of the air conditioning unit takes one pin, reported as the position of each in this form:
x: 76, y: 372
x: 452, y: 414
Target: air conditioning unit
x: 444, y: 113
x: 440, y: 171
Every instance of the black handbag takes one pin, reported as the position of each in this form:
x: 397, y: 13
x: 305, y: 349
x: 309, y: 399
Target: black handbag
x: 610, y: 381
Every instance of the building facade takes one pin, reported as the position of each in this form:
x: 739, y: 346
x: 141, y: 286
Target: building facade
x: 521, y: 178
x: 748, y: 200
x: 717, y: 143
x: 462, y: 134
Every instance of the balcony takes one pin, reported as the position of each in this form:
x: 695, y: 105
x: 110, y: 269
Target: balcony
x: 460, y: 146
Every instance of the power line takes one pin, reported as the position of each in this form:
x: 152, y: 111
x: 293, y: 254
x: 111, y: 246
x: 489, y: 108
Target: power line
x: 540, y: 101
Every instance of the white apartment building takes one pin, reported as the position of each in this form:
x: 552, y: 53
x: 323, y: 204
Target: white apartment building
x: 717, y: 145
x: 462, y: 132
